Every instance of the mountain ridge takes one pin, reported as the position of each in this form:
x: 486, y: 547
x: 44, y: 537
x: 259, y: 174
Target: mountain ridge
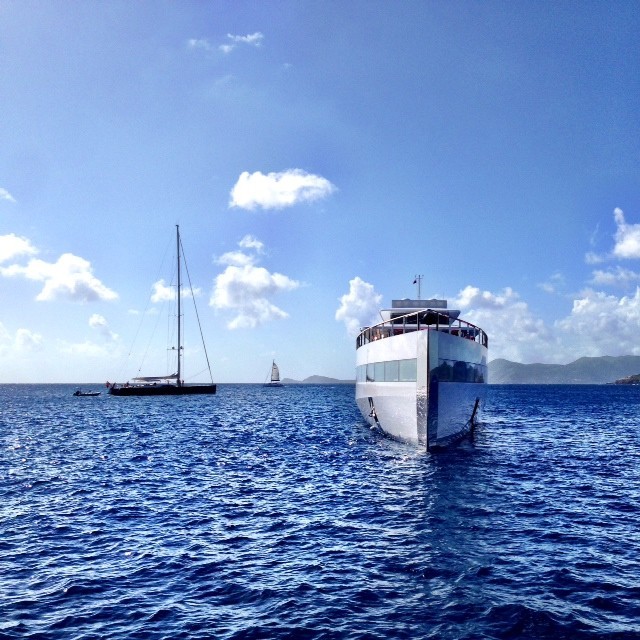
x: 317, y: 380
x: 585, y: 370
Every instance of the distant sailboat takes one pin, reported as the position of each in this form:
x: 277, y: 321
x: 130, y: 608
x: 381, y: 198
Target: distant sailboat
x: 170, y: 384
x: 275, y: 376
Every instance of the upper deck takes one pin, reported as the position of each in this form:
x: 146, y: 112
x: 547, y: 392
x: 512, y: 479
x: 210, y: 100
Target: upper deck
x: 407, y: 316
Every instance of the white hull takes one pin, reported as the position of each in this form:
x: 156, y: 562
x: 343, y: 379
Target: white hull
x: 443, y: 398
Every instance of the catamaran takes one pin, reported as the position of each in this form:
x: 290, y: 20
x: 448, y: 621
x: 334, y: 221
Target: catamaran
x: 170, y: 384
x: 421, y: 373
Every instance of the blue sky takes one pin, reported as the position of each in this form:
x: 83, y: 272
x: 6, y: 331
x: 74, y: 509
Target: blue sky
x: 317, y: 156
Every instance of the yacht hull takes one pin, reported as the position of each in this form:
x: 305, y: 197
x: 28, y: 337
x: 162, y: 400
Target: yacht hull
x: 433, y: 402
x: 163, y: 390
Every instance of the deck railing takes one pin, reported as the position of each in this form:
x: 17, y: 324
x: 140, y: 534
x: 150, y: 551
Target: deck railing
x: 433, y: 319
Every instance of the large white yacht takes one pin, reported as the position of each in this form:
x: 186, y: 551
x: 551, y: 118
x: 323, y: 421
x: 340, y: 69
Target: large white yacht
x: 421, y: 373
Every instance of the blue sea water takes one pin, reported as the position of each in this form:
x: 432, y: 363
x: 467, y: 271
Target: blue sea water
x: 278, y: 513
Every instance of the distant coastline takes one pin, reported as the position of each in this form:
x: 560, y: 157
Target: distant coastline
x: 598, y: 370
x: 317, y: 380
x: 635, y: 379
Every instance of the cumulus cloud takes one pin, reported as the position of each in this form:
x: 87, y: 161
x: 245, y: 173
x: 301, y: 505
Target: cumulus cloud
x: 278, y: 190
x: 163, y: 292
x: 253, y: 39
x: 249, y: 242
x: 514, y: 331
x: 5, y: 195
x: 100, y: 324
x: 28, y: 340
x: 627, y: 237
x: 597, y: 325
x: 615, y: 277
x: 602, y: 324
x: 13, y: 246
x: 242, y: 258
x: 237, y: 258
x: 24, y: 340
x: 626, y: 247
x: 359, y: 307
x: 70, y: 278
x: 247, y: 289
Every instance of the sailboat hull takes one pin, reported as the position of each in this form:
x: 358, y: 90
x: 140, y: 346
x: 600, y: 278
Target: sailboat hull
x: 164, y: 390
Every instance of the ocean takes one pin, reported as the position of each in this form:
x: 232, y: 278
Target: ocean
x: 278, y: 513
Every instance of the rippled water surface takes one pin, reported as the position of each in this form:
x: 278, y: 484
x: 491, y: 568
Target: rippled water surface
x: 277, y: 513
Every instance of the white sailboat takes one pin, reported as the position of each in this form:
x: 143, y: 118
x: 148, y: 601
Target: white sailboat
x: 275, y: 376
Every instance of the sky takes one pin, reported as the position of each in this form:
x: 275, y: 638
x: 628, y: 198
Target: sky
x: 317, y: 156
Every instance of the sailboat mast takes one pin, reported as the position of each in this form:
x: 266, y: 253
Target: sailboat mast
x: 179, y: 310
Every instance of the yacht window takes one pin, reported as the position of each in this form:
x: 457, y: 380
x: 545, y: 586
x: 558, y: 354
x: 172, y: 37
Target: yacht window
x: 408, y: 370
x: 391, y: 371
x: 370, y: 371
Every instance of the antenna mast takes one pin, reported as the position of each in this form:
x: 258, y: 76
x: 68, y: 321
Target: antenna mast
x: 418, y: 281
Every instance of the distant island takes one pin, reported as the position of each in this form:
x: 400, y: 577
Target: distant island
x: 317, y: 380
x: 635, y: 379
x: 602, y: 370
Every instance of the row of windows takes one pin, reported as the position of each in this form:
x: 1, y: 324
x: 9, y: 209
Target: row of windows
x: 459, y: 371
x: 406, y: 371
x: 390, y: 371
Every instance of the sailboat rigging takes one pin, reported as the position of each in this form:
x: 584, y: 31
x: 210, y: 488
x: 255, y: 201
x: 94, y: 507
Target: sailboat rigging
x: 171, y: 384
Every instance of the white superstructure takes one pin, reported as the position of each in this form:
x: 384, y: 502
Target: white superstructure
x: 421, y: 373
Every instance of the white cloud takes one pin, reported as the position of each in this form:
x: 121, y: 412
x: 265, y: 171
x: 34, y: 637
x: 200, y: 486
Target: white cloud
x: 278, y: 190
x: 594, y: 258
x: 555, y: 282
x: 247, y: 289
x: 70, y: 278
x: 253, y: 39
x: 614, y: 277
x: 598, y: 325
x: 199, y: 43
x: 236, y: 258
x: 514, y: 331
x: 249, y: 242
x: 359, y: 307
x: 163, y: 292
x: 27, y: 340
x: 241, y: 258
x: 5, y: 195
x: 98, y: 322
x: 602, y: 324
x: 13, y: 246
x: 474, y: 297
x: 23, y: 341
x: 627, y: 237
